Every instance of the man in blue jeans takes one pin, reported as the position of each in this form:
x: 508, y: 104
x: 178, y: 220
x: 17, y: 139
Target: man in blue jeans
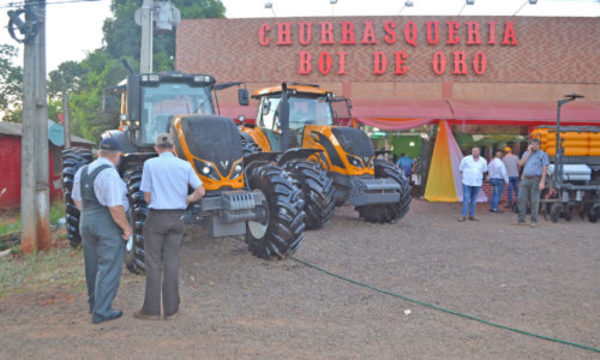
x: 498, y: 176
x: 511, y: 161
x: 472, y: 168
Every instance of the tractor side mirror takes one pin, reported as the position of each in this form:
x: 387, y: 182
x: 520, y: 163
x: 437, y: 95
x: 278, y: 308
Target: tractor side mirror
x: 110, y: 104
x: 243, y: 98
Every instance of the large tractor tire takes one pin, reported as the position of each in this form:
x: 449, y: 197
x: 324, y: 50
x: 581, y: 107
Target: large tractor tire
x: 73, y: 159
x: 281, y: 233
x: 317, y: 192
x: 134, y: 257
x: 388, y: 212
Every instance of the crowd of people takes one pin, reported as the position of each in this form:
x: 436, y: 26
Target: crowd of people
x: 504, y: 169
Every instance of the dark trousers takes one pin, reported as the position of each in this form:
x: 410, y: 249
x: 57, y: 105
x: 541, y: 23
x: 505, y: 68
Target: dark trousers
x: 530, y: 191
x: 163, y: 231
x: 513, y: 185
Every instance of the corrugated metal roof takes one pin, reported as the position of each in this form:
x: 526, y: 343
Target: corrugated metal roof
x: 14, y: 129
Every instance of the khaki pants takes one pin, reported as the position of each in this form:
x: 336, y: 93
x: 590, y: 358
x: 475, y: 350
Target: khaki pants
x: 163, y: 231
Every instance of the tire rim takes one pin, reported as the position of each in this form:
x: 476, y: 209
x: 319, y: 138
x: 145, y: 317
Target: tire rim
x: 258, y: 229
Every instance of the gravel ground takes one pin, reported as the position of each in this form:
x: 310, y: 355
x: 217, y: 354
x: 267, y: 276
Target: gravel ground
x: 234, y: 306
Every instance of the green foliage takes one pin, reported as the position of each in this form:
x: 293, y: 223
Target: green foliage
x: 11, y: 84
x: 103, y: 67
x: 65, y: 79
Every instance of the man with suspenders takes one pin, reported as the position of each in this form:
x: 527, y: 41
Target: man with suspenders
x: 101, y: 196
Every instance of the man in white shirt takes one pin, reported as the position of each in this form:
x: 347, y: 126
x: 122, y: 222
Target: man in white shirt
x: 498, y: 177
x: 472, y: 168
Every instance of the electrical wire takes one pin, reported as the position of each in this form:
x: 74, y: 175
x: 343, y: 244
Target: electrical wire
x: 20, y: 4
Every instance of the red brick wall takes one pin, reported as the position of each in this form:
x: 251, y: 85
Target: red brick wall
x: 549, y: 50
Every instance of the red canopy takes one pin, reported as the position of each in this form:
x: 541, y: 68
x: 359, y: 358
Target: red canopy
x: 404, y: 114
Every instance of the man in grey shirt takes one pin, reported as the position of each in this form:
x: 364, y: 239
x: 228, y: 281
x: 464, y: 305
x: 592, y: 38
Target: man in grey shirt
x: 535, y: 164
x: 511, y: 162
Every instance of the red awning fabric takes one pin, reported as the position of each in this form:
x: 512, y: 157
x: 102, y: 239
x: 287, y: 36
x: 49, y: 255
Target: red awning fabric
x: 405, y: 114
x: 402, y: 109
x: 524, y: 111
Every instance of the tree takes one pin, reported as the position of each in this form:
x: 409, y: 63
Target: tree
x: 65, y: 79
x: 11, y: 85
x: 103, y: 67
x: 122, y: 35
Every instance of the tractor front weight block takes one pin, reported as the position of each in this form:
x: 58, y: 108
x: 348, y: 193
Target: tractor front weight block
x: 374, y: 191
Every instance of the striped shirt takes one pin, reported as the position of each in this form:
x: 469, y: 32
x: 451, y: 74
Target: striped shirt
x: 167, y: 178
x: 110, y: 190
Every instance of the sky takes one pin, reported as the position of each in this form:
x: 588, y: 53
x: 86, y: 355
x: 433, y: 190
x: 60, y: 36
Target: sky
x: 74, y: 29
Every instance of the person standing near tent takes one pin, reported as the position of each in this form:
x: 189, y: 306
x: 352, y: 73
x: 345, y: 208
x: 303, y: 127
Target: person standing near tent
x: 405, y: 163
x: 498, y: 176
x: 535, y: 164
x: 472, y: 168
x: 511, y: 161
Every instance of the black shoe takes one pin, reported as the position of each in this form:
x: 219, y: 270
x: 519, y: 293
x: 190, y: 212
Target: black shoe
x: 113, y: 316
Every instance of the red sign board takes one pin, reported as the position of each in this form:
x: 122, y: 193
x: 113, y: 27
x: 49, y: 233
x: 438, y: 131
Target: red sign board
x: 445, y: 35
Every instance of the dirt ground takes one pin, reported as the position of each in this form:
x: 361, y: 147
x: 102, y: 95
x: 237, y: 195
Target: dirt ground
x: 234, y: 306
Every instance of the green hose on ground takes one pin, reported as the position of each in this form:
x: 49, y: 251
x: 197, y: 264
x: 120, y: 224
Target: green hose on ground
x: 435, y: 307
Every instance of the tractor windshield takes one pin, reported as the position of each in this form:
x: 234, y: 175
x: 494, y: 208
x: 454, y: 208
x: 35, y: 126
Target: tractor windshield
x: 304, y: 110
x: 161, y: 103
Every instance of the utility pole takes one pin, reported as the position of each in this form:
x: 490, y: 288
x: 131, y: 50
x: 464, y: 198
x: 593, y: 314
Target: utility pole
x: 66, y: 120
x: 146, y: 21
x: 35, y: 197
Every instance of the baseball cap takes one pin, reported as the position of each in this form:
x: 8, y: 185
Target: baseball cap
x: 110, y: 144
x: 507, y: 149
x: 164, y: 139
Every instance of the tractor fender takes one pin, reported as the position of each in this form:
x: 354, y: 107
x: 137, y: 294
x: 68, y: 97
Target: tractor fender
x: 296, y: 154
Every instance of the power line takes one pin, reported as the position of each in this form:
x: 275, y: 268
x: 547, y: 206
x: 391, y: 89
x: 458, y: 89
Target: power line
x: 21, y: 4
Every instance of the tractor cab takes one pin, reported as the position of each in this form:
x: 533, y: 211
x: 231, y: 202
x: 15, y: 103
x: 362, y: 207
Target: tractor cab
x: 308, y: 105
x: 149, y: 102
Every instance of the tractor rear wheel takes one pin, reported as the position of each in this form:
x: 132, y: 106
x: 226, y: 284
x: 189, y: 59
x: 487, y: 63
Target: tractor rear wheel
x: 73, y: 159
x: 280, y: 234
x: 317, y: 191
x: 388, y: 212
x: 134, y: 257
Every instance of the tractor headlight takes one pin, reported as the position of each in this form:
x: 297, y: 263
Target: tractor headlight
x: 354, y: 161
x: 206, y: 169
x: 237, y: 171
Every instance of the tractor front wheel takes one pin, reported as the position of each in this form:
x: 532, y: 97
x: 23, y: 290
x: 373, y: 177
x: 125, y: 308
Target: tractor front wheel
x: 280, y: 234
x: 73, y: 159
x: 386, y: 213
x: 134, y: 256
x: 317, y: 191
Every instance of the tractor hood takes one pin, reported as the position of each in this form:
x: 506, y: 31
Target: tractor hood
x: 354, y: 141
x: 211, y: 138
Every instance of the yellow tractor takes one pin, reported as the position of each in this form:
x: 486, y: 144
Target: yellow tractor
x: 300, y: 117
x: 250, y: 196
